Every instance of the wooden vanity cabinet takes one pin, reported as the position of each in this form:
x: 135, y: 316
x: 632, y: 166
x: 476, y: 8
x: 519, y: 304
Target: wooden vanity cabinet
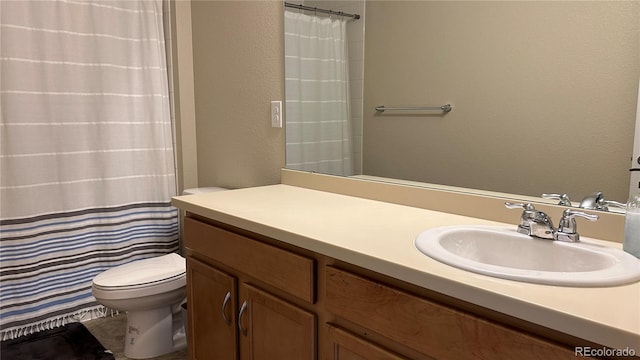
x: 255, y: 298
x: 230, y: 316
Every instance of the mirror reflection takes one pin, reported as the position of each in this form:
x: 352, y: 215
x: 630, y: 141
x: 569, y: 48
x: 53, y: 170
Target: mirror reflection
x: 543, y: 94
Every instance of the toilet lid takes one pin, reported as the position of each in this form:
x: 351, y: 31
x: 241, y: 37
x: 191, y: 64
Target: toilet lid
x: 152, y: 270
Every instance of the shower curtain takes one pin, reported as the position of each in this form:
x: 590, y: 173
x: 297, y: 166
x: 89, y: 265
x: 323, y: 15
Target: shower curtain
x: 87, y: 159
x: 318, y: 125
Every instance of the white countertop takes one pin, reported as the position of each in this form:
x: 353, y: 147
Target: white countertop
x: 379, y: 236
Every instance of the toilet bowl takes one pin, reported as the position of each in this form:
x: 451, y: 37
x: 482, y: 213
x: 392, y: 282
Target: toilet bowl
x: 151, y: 292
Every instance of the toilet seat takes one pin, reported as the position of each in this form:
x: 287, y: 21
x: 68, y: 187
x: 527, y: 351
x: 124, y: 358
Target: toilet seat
x: 141, y: 278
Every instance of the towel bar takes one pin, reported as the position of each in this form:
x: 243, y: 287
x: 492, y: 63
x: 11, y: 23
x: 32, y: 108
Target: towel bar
x: 445, y: 108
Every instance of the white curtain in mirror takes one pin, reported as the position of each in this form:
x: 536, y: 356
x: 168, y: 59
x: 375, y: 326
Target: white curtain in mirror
x: 317, y: 114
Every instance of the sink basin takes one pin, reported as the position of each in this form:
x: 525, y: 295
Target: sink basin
x: 504, y: 253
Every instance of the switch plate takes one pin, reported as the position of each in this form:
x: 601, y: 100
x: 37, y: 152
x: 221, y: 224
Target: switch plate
x: 276, y: 114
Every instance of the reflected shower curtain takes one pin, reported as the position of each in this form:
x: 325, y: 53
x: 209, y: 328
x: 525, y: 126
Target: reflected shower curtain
x: 87, y: 165
x: 317, y: 114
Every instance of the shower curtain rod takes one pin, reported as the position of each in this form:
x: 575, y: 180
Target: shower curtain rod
x: 311, y: 8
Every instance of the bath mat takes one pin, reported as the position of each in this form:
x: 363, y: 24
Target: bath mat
x: 70, y: 342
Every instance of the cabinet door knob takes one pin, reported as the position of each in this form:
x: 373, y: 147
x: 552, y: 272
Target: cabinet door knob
x: 243, y: 331
x: 224, y: 307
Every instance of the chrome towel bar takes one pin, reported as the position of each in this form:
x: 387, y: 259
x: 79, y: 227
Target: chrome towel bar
x: 445, y: 108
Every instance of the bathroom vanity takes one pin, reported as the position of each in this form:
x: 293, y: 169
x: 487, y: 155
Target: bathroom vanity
x: 284, y: 272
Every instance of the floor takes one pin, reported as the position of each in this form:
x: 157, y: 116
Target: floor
x: 110, y: 332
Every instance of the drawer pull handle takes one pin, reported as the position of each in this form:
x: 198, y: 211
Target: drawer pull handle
x: 224, y: 307
x: 243, y: 331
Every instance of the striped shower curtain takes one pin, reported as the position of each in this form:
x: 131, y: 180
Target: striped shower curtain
x: 318, y: 119
x: 87, y: 161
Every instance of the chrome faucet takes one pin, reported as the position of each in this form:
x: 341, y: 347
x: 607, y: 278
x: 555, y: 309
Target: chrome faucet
x: 538, y: 224
x: 533, y: 222
x: 596, y: 201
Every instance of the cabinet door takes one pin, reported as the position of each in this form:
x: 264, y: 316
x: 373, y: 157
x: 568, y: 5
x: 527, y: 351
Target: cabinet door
x: 211, y: 299
x: 271, y: 328
x: 346, y: 346
x: 428, y: 327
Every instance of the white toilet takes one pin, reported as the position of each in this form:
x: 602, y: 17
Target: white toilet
x: 151, y: 292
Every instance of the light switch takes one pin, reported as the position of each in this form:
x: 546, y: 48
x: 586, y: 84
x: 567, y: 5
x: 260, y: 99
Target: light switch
x: 276, y: 114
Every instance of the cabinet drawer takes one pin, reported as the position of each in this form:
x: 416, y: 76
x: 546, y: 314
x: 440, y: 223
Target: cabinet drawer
x: 343, y: 345
x: 432, y: 329
x: 280, y: 268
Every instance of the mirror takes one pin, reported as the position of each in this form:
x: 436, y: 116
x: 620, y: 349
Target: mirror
x: 543, y: 94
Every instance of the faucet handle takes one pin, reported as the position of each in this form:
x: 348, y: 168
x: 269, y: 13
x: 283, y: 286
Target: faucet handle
x: 525, y: 206
x: 564, y: 198
x: 567, y: 230
x: 602, y: 204
x: 528, y: 214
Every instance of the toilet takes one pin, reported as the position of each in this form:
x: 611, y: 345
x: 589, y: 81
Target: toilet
x: 151, y: 291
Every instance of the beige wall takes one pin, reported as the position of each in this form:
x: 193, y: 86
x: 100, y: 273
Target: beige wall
x: 564, y: 102
x: 238, y: 68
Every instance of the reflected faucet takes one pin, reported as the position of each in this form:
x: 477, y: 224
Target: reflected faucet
x: 596, y: 201
x: 538, y: 224
x: 563, y: 198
